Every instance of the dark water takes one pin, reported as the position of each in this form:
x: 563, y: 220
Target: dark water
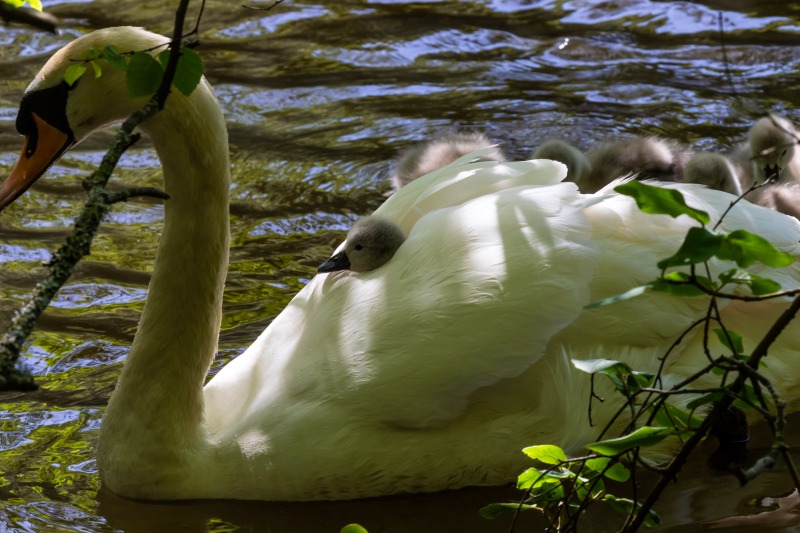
x: 319, y: 98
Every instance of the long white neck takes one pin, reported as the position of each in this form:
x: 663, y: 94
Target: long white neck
x: 155, y: 415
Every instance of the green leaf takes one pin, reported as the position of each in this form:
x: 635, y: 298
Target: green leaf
x: 353, y: 528
x: 543, y: 486
x: 732, y: 341
x: 644, y: 436
x: 15, y: 3
x: 35, y: 4
x: 114, y: 58
x: 493, y: 510
x: 627, y: 295
x: 546, y: 453
x: 671, y: 416
x: 96, y: 68
x: 747, y: 248
x: 188, y: 72
x: 593, y: 366
x: 704, y: 400
x: 144, y: 75
x: 616, y: 371
x: 760, y: 286
x: 73, y: 73
x: 617, y: 471
x: 681, y: 284
x: 661, y: 201
x: 625, y: 506
x: 699, y: 246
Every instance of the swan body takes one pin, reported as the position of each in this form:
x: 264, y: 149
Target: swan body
x: 578, y: 167
x: 713, y: 170
x: 646, y: 157
x: 429, y: 373
x: 371, y: 242
x: 428, y: 156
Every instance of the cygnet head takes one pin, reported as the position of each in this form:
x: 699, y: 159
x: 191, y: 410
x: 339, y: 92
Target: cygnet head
x: 578, y: 167
x: 772, y: 141
x: 432, y: 155
x: 782, y: 197
x: 646, y: 157
x: 371, y: 242
x: 714, y: 170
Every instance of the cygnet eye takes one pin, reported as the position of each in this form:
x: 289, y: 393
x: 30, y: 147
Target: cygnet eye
x: 358, y: 247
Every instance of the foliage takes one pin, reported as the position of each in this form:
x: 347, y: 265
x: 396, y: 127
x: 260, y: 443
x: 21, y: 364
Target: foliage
x: 144, y: 71
x: 353, y: 528
x: 35, y: 4
x: 565, y: 487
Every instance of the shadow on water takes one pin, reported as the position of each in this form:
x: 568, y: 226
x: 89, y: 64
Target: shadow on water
x: 318, y: 97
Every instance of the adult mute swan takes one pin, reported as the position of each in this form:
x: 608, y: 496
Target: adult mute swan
x: 428, y: 156
x: 429, y: 373
x: 370, y: 243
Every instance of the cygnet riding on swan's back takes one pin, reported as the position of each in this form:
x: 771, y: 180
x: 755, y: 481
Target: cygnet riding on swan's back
x: 428, y: 156
x: 578, y: 167
x: 647, y: 157
x: 770, y: 152
x: 370, y: 243
x: 431, y: 372
x: 713, y: 170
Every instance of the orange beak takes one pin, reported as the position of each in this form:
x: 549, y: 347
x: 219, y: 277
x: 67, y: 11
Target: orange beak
x: 40, y: 150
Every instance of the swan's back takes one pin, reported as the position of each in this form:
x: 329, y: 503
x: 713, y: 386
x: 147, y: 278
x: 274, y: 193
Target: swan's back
x: 469, y: 329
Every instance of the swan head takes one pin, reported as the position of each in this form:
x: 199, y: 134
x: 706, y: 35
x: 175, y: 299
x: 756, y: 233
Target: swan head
x: 53, y: 116
x: 371, y: 242
x: 772, y: 142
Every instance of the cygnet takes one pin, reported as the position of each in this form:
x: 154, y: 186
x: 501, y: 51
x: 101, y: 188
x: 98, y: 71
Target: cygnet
x: 371, y: 242
x: 645, y: 157
x: 578, y: 167
x: 429, y: 156
x: 714, y: 170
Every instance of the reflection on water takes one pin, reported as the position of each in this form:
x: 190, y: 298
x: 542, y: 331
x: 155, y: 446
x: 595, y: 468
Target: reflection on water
x: 319, y: 96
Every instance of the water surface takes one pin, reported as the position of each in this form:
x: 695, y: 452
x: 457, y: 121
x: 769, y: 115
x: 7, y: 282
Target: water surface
x: 319, y: 98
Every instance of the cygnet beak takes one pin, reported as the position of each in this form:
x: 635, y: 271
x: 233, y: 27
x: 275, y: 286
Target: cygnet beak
x: 338, y: 261
x: 772, y: 173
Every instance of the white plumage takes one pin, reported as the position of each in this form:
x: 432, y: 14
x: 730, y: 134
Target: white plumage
x: 429, y: 373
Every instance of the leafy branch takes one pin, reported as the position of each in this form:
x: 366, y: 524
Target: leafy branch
x: 567, y: 487
x: 99, y: 202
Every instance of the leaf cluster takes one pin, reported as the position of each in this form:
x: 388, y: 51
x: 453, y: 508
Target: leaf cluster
x: 566, y: 487
x: 144, y: 71
x: 35, y: 4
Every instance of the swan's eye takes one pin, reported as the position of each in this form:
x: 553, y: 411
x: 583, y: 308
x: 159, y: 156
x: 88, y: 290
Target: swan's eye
x: 358, y: 247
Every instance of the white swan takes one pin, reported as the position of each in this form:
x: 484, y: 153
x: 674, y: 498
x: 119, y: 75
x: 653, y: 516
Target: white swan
x: 713, y: 170
x: 646, y: 157
x: 370, y: 243
x: 578, y: 167
x: 428, y: 156
x: 429, y: 373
